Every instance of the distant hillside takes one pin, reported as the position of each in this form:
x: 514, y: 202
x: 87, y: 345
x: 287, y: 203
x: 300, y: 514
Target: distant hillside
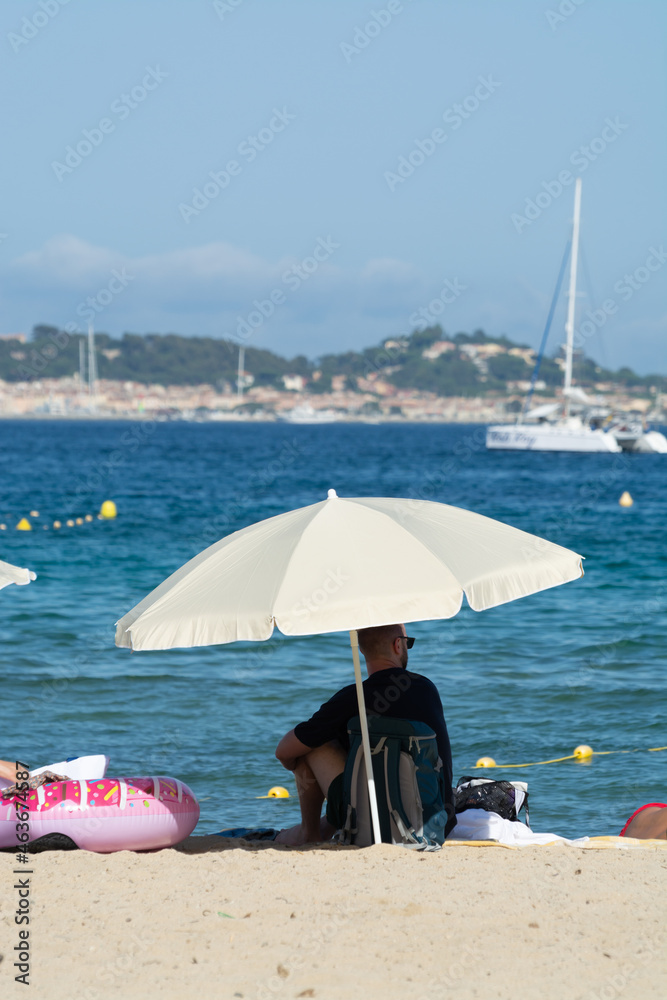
x: 166, y: 359
x: 428, y: 360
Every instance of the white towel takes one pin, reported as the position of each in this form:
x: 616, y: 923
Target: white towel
x: 478, y: 824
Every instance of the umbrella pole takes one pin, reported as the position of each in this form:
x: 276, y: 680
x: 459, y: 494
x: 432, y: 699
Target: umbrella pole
x: 365, y: 739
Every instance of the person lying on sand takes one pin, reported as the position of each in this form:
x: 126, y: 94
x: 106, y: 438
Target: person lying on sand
x: 316, y: 750
x: 649, y: 822
x: 9, y: 771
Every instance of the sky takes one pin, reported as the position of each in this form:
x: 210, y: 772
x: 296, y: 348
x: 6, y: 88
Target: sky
x: 314, y: 176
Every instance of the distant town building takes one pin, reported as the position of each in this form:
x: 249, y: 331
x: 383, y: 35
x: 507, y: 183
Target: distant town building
x: 435, y: 350
x: 527, y: 353
x: 294, y: 383
x: 482, y: 350
x: 523, y: 385
x: 375, y: 385
x: 21, y: 337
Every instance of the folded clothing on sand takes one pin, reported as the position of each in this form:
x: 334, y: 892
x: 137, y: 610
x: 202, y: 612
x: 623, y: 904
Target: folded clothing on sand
x: 477, y: 824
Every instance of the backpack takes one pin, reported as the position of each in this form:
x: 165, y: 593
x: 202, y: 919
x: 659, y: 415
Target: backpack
x: 506, y: 798
x: 409, y: 783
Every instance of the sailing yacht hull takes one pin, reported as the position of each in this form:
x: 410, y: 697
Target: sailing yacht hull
x: 550, y: 437
x: 639, y: 440
x: 653, y: 441
x: 632, y: 436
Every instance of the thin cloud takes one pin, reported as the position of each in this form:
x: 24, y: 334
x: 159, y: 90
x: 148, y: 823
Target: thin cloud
x: 216, y: 278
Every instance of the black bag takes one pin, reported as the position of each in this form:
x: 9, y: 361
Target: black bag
x: 506, y: 798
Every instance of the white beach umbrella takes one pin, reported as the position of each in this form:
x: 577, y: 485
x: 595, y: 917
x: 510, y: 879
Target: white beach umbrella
x: 14, y: 574
x: 345, y: 564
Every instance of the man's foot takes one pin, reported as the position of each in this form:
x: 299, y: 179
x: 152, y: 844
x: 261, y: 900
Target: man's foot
x: 296, y: 836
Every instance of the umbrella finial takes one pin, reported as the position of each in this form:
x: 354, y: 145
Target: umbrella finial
x: 332, y: 495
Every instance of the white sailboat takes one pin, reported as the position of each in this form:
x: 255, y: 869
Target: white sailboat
x: 556, y: 426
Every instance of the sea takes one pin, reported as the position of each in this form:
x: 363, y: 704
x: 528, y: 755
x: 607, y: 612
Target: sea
x: 523, y: 683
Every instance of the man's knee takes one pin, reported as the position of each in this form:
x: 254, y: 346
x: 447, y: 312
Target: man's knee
x: 326, y: 762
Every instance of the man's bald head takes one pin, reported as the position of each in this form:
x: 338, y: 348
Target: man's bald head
x: 378, y: 641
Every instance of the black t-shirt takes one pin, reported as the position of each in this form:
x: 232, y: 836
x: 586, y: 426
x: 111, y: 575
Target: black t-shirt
x: 394, y: 692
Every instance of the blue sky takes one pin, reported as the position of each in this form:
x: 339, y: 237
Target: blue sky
x: 351, y: 159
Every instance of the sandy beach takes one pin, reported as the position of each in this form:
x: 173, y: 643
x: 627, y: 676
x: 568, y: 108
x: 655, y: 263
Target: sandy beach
x: 224, y: 918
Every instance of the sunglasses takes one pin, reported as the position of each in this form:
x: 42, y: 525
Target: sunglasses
x: 409, y: 640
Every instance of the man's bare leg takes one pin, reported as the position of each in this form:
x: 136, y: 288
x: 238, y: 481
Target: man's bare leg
x: 314, y: 773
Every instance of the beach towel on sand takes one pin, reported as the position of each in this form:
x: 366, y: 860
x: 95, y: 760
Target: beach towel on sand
x: 477, y: 824
x: 409, y: 783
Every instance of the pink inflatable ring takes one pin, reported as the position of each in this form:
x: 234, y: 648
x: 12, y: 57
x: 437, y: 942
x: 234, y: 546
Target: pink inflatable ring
x: 108, y: 814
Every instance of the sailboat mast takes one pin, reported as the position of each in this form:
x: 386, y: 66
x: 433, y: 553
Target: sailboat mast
x: 240, y: 374
x: 82, y: 362
x: 92, y: 365
x: 572, y: 295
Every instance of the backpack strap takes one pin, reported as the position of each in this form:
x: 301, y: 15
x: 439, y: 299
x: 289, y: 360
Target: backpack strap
x: 350, y: 780
x: 379, y: 750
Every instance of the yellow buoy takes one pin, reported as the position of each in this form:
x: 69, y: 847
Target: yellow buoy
x: 625, y: 499
x: 24, y: 525
x: 70, y: 522
x: 57, y: 524
x: 108, y: 509
x: 88, y: 517
x: 485, y: 762
x: 34, y: 513
x: 583, y: 751
x: 277, y: 792
x: 79, y: 520
x: 3, y: 527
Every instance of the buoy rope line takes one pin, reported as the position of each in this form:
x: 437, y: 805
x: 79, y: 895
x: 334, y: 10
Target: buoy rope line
x: 107, y: 512
x: 580, y: 753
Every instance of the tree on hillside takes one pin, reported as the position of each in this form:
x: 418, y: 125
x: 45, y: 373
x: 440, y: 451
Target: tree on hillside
x: 508, y: 368
x: 170, y: 359
x: 420, y: 340
x: 448, y: 375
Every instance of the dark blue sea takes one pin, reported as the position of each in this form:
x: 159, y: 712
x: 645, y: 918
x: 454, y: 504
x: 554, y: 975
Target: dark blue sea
x: 529, y: 681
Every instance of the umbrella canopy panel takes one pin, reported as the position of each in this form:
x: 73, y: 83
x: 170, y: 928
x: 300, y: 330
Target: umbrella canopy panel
x: 345, y: 564
x: 14, y: 574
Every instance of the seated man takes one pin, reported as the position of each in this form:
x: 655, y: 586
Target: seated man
x: 316, y: 750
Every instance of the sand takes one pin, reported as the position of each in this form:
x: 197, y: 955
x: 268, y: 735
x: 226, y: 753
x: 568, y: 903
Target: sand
x: 217, y: 918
